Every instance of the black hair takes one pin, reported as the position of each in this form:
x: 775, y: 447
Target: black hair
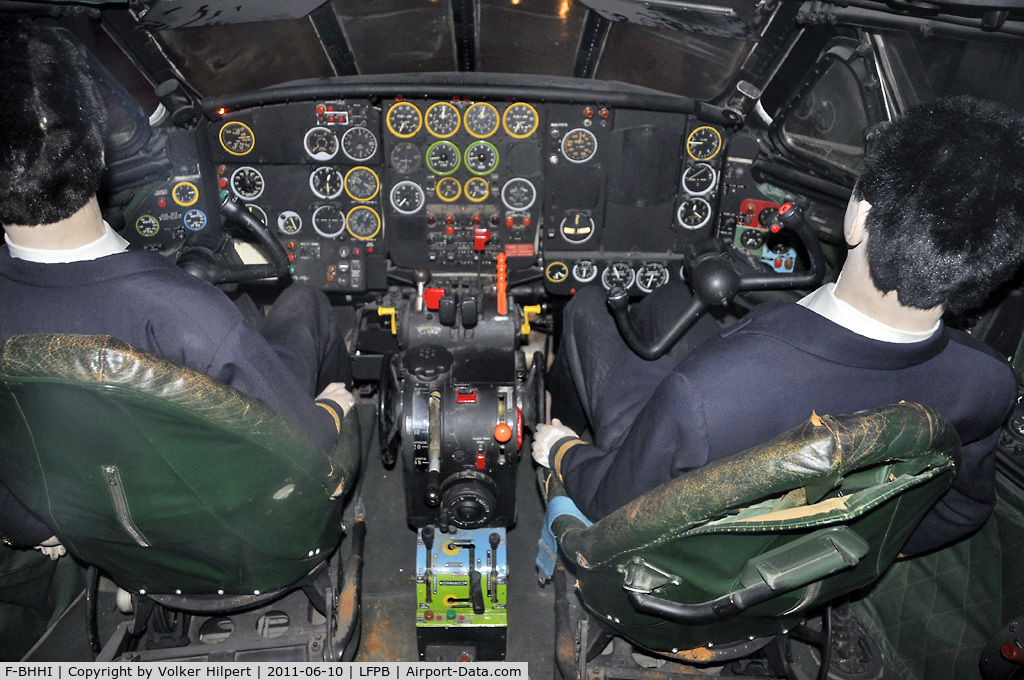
x: 946, y: 188
x: 51, y: 125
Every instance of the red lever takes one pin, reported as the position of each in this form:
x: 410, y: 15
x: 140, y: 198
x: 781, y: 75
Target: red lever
x: 480, y: 237
x: 502, y: 285
x: 432, y: 297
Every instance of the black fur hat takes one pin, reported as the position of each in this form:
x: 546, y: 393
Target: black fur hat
x: 946, y: 188
x: 51, y: 125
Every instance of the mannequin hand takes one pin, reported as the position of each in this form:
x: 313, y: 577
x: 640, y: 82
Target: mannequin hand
x: 337, y: 393
x: 52, y: 548
x: 545, y: 436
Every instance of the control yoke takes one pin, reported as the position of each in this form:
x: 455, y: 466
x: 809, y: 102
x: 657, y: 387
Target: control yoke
x: 715, y: 281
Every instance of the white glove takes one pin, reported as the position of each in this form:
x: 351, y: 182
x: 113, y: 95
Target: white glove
x: 337, y: 393
x: 52, y: 548
x: 544, y: 437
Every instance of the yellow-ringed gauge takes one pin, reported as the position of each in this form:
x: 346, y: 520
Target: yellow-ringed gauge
x: 481, y: 157
x: 237, y: 138
x: 694, y: 213
x: 443, y: 119
x: 699, y: 179
x: 407, y: 197
x: 477, y: 189
x: 328, y: 221
x: 247, y: 183
x: 289, y: 222
x: 520, y: 120
x: 147, y: 225
x: 185, y: 194
x: 556, y: 272
x: 579, y: 145
x: 481, y: 120
x: 320, y: 143
x: 704, y: 143
x: 362, y: 222
x: 361, y: 183
x: 443, y: 157
x: 404, y: 120
x: 448, y: 189
x: 326, y: 182
x: 359, y: 144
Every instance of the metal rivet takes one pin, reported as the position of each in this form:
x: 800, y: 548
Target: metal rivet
x: 220, y: 592
x: 177, y: 592
x: 310, y: 553
x: 142, y: 592
x: 255, y: 592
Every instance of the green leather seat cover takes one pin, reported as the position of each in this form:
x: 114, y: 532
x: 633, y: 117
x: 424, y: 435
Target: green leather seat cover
x: 876, y: 472
x: 161, y: 476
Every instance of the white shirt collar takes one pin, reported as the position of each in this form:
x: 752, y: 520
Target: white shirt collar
x: 824, y: 302
x: 110, y: 243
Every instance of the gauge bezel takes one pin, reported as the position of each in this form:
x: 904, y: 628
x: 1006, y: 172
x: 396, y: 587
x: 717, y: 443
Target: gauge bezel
x: 465, y: 189
x: 718, y: 145
x: 581, y: 279
x: 376, y: 143
x: 375, y: 177
x: 318, y: 230
x: 263, y: 183
x: 492, y: 168
x: 419, y: 190
x: 419, y: 119
x: 143, y: 234
x: 458, y: 119
x: 504, y: 198
x: 348, y: 222
x: 608, y: 268
x: 565, y: 154
x: 679, y: 213
x: 320, y: 155
x: 711, y: 187
x: 284, y: 215
x: 458, y: 157
x: 665, y: 275
x: 417, y: 155
x: 504, y: 120
x: 197, y: 211
x: 312, y: 186
x: 561, y: 231
x: 195, y: 194
x: 454, y: 181
x: 232, y: 123
x: 547, y: 271
x: 497, y: 120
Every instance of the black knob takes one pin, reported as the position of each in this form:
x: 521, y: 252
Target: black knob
x: 421, y: 275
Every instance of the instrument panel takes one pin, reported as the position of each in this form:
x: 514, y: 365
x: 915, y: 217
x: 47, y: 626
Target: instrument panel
x: 581, y: 193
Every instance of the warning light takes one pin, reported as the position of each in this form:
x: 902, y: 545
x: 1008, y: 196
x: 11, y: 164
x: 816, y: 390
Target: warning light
x: 221, y: 111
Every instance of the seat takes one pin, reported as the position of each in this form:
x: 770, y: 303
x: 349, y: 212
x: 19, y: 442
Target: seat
x: 181, y: 489
x: 715, y: 564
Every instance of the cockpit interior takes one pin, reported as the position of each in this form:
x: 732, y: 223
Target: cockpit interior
x: 451, y: 173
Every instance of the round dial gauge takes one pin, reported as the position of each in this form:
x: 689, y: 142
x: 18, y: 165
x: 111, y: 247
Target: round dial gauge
x: 363, y: 222
x: 651, y: 276
x: 259, y: 212
x: 699, y: 179
x: 320, y: 143
x: 703, y: 143
x: 443, y: 158
x: 442, y: 119
x: 518, y: 194
x: 361, y: 183
x: 481, y: 157
x: 359, y: 144
x: 406, y: 158
x: 577, y: 227
x: 147, y: 225
x: 477, y: 189
x: 618, y: 274
x: 236, y: 138
x: 328, y: 221
x: 584, y: 271
x: 694, y: 213
x: 579, y: 145
x: 247, y: 182
x: 404, y: 120
x: 326, y: 182
x: 289, y: 222
x: 520, y: 120
x: 481, y: 119
x: 556, y: 272
x: 448, y: 189
x: 407, y: 197
x: 195, y: 219
x: 185, y: 194
x: 751, y: 239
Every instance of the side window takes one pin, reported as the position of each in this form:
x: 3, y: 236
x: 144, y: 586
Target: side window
x: 828, y: 123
